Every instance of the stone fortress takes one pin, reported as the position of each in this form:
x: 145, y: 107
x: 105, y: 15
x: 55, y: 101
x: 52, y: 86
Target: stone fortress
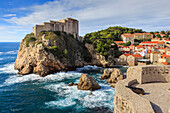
x: 67, y: 25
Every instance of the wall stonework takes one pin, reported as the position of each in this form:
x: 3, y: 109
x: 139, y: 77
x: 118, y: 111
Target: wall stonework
x: 67, y: 25
x: 126, y: 101
x: 147, y: 74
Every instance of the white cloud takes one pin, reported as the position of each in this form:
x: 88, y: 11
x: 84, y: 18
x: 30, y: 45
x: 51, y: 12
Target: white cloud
x: 9, y: 15
x: 98, y: 14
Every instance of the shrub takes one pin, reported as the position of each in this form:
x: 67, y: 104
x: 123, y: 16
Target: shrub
x: 29, y: 38
x: 65, y: 52
x: 55, y: 51
x: 57, y: 33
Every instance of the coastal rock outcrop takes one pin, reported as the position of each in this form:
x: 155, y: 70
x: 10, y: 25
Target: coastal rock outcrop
x: 87, y: 82
x: 115, y: 76
x: 107, y: 73
x: 62, y: 53
x: 53, y: 51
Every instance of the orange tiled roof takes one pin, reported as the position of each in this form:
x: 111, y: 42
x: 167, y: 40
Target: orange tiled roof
x: 126, y: 54
x: 118, y: 41
x: 152, y: 42
x: 165, y: 56
x: 138, y: 33
x: 149, y: 42
x: 132, y: 45
x: 148, y: 33
x: 164, y: 63
x: 139, y: 46
x: 128, y: 35
x: 137, y: 55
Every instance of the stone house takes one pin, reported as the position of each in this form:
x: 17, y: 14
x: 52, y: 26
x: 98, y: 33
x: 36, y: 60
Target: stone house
x: 164, y: 58
x: 127, y: 37
x: 156, y: 39
x: 132, y: 59
x: 67, y: 25
x: 132, y: 47
x: 140, y: 36
x: 168, y: 52
x: 123, y: 59
x: 153, y: 43
x: 154, y: 56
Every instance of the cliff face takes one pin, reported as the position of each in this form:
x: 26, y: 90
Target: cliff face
x: 52, y: 52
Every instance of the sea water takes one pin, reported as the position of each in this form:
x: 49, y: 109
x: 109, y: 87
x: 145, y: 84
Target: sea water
x: 50, y: 94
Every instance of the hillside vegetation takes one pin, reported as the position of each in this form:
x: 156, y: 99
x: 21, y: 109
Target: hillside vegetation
x: 104, y: 40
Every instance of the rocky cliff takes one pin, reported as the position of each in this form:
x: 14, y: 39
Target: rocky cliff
x: 52, y: 52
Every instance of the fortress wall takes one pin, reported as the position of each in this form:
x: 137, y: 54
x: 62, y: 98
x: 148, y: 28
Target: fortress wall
x: 67, y: 25
x: 151, y: 73
x: 126, y: 101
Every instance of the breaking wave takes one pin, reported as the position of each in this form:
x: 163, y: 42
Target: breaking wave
x: 72, y: 96
x: 9, y: 52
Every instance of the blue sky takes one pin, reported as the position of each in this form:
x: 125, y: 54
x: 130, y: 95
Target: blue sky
x: 17, y: 17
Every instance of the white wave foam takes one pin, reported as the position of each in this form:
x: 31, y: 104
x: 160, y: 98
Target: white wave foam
x: 7, y: 58
x: 71, y: 95
x: 9, y: 52
x: 8, y: 68
x: 88, y: 67
x: 32, y: 77
x: 61, y: 103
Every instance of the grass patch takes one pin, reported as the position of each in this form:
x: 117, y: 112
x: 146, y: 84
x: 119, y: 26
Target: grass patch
x: 29, y: 39
x: 55, y: 51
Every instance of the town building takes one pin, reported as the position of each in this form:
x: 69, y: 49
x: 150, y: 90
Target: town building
x: 123, y: 59
x: 164, y: 58
x: 155, y: 39
x: 154, y: 56
x: 141, y: 36
x: 153, y: 43
x: 67, y: 25
x: 132, y: 59
x: 128, y: 37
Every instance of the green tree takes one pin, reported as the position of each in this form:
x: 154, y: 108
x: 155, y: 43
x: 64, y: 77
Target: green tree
x: 162, y: 32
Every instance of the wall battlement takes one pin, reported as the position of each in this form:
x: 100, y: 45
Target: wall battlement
x: 67, y: 25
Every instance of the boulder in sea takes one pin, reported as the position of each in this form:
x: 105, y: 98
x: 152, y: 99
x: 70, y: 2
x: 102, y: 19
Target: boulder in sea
x: 87, y: 82
x: 112, y: 85
x: 107, y: 73
x: 115, y: 76
x: 73, y: 84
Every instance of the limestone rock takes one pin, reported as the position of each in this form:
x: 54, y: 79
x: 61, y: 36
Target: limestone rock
x: 115, y: 76
x: 73, y: 84
x: 87, y: 82
x: 112, y: 85
x: 107, y: 73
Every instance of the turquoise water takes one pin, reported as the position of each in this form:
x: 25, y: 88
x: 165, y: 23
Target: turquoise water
x: 51, y: 94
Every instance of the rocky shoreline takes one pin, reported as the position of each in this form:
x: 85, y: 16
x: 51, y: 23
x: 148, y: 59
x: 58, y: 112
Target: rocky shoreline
x: 52, y: 52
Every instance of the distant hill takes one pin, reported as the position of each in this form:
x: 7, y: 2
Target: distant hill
x: 103, y: 39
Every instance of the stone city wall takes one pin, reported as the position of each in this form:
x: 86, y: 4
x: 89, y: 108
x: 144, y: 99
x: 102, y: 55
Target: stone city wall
x: 125, y: 100
x: 150, y: 73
